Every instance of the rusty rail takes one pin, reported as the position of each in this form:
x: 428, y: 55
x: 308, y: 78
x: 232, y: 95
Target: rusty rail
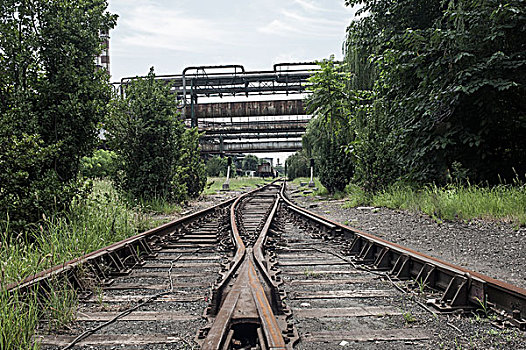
x: 461, y: 288
x: 119, y: 256
x: 247, y: 301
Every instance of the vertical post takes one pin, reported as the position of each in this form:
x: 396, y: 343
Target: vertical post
x: 193, y: 102
x: 311, y: 182
x: 226, y: 185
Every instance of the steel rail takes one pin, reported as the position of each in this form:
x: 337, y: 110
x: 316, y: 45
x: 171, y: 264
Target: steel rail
x: 462, y: 288
x: 126, y: 246
x: 247, y: 290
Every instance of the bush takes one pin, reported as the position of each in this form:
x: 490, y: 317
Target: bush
x: 298, y: 165
x: 101, y: 164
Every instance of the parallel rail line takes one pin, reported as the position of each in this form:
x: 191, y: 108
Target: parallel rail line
x: 254, y: 247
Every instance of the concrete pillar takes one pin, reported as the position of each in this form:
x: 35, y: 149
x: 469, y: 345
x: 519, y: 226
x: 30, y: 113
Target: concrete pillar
x: 311, y: 182
x: 226, y: 185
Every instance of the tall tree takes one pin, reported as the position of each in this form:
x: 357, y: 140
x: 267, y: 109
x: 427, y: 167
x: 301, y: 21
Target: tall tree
x: 52, y: 99
x: 329, y: 130
x: 447, y: 84
x: 158, y: 157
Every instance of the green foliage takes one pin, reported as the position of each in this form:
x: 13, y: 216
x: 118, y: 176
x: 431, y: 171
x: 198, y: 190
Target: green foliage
x: 191, y: 170
x: 250, y: 162
x: 217, y: 166
x: 298, y: 165
x: 158, y: 158
x: 329, y: 130
x: 445, y: 85
x: 52, y: 99
x: 101, y: 164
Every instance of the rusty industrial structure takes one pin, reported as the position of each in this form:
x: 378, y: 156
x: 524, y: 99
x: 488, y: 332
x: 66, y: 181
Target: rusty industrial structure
x: 103, y: 60
x: 242, y: 126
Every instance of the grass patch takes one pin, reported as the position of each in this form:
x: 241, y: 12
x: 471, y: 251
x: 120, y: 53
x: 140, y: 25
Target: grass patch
x: 215, y: 184
x: 453, y: 202
x: 321, y: 190
x: 18, y: 320
x: 103, y: 218
x: 159, y: 206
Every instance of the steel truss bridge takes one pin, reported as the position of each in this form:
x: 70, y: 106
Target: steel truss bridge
x: 258, y: 125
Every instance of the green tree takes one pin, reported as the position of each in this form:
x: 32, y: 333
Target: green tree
x: 158, y: 157
x: 298, y: 165
x: 250, y: 162
x: 329, y: 130
x: 217, y: 166
x: 446, y: 80
x: 191, y: 170
x: 52, y: 99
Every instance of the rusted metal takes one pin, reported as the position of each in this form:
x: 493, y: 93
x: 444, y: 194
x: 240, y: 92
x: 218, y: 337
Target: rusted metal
x: 243, y: 297
x: 249, y: 109
x: 461, y: 288
x: 247, y: 147
x: 210, y: 81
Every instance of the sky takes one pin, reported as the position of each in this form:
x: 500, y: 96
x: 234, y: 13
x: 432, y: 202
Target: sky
x: 173, y: 34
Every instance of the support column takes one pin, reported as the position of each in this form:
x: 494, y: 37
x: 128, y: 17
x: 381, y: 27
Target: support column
x: 226, y: 185
x: 311, y: 182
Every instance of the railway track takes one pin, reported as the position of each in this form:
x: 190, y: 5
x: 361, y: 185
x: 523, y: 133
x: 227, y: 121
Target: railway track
x: 258, y: 272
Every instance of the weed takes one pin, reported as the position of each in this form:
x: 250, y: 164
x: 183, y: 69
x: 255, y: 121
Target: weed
x: 18, y: 320
x: 309, y: 273
x: 421, y: 285
x: 483, y: 307
x: 408, y: 317
x: 99, y: 296
x: 59, y: 306
x: 458, y: 346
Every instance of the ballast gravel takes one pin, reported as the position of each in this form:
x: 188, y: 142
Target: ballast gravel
x: 495, y: 249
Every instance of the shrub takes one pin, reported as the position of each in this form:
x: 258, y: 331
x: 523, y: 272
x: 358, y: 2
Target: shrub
x: 101, y: 164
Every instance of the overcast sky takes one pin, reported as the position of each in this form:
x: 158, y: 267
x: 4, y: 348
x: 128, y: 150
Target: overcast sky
x: 173, y: 34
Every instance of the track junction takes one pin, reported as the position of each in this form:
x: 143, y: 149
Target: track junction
x: 259, y: 272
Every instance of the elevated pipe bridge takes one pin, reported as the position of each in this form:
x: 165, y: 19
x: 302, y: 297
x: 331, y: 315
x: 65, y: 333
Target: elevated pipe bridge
x: 222, y: 121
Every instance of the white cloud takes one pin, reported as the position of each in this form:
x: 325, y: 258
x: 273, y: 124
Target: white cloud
x: 292, y: 23
x: 154, y: 27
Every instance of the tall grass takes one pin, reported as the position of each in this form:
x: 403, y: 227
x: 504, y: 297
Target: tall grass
x: 103, y: 218
x: 452, y: 202
x: 18, y: 319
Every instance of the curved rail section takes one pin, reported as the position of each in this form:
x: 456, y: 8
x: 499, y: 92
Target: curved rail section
x: 247, y: 306
x: 115, y: 259
x: 461, y: 288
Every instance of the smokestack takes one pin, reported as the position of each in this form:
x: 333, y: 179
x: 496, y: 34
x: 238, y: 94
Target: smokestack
x: 103, y: 61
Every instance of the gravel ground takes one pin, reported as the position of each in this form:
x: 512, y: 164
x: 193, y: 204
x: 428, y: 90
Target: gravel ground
x: 492, y: 248
x: 405, y: 316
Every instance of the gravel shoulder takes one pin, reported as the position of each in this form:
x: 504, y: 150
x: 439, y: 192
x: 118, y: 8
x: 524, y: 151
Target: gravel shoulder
x: 491, y: 248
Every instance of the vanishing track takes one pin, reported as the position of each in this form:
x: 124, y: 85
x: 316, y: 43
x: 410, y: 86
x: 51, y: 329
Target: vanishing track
x: 258, y: 272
